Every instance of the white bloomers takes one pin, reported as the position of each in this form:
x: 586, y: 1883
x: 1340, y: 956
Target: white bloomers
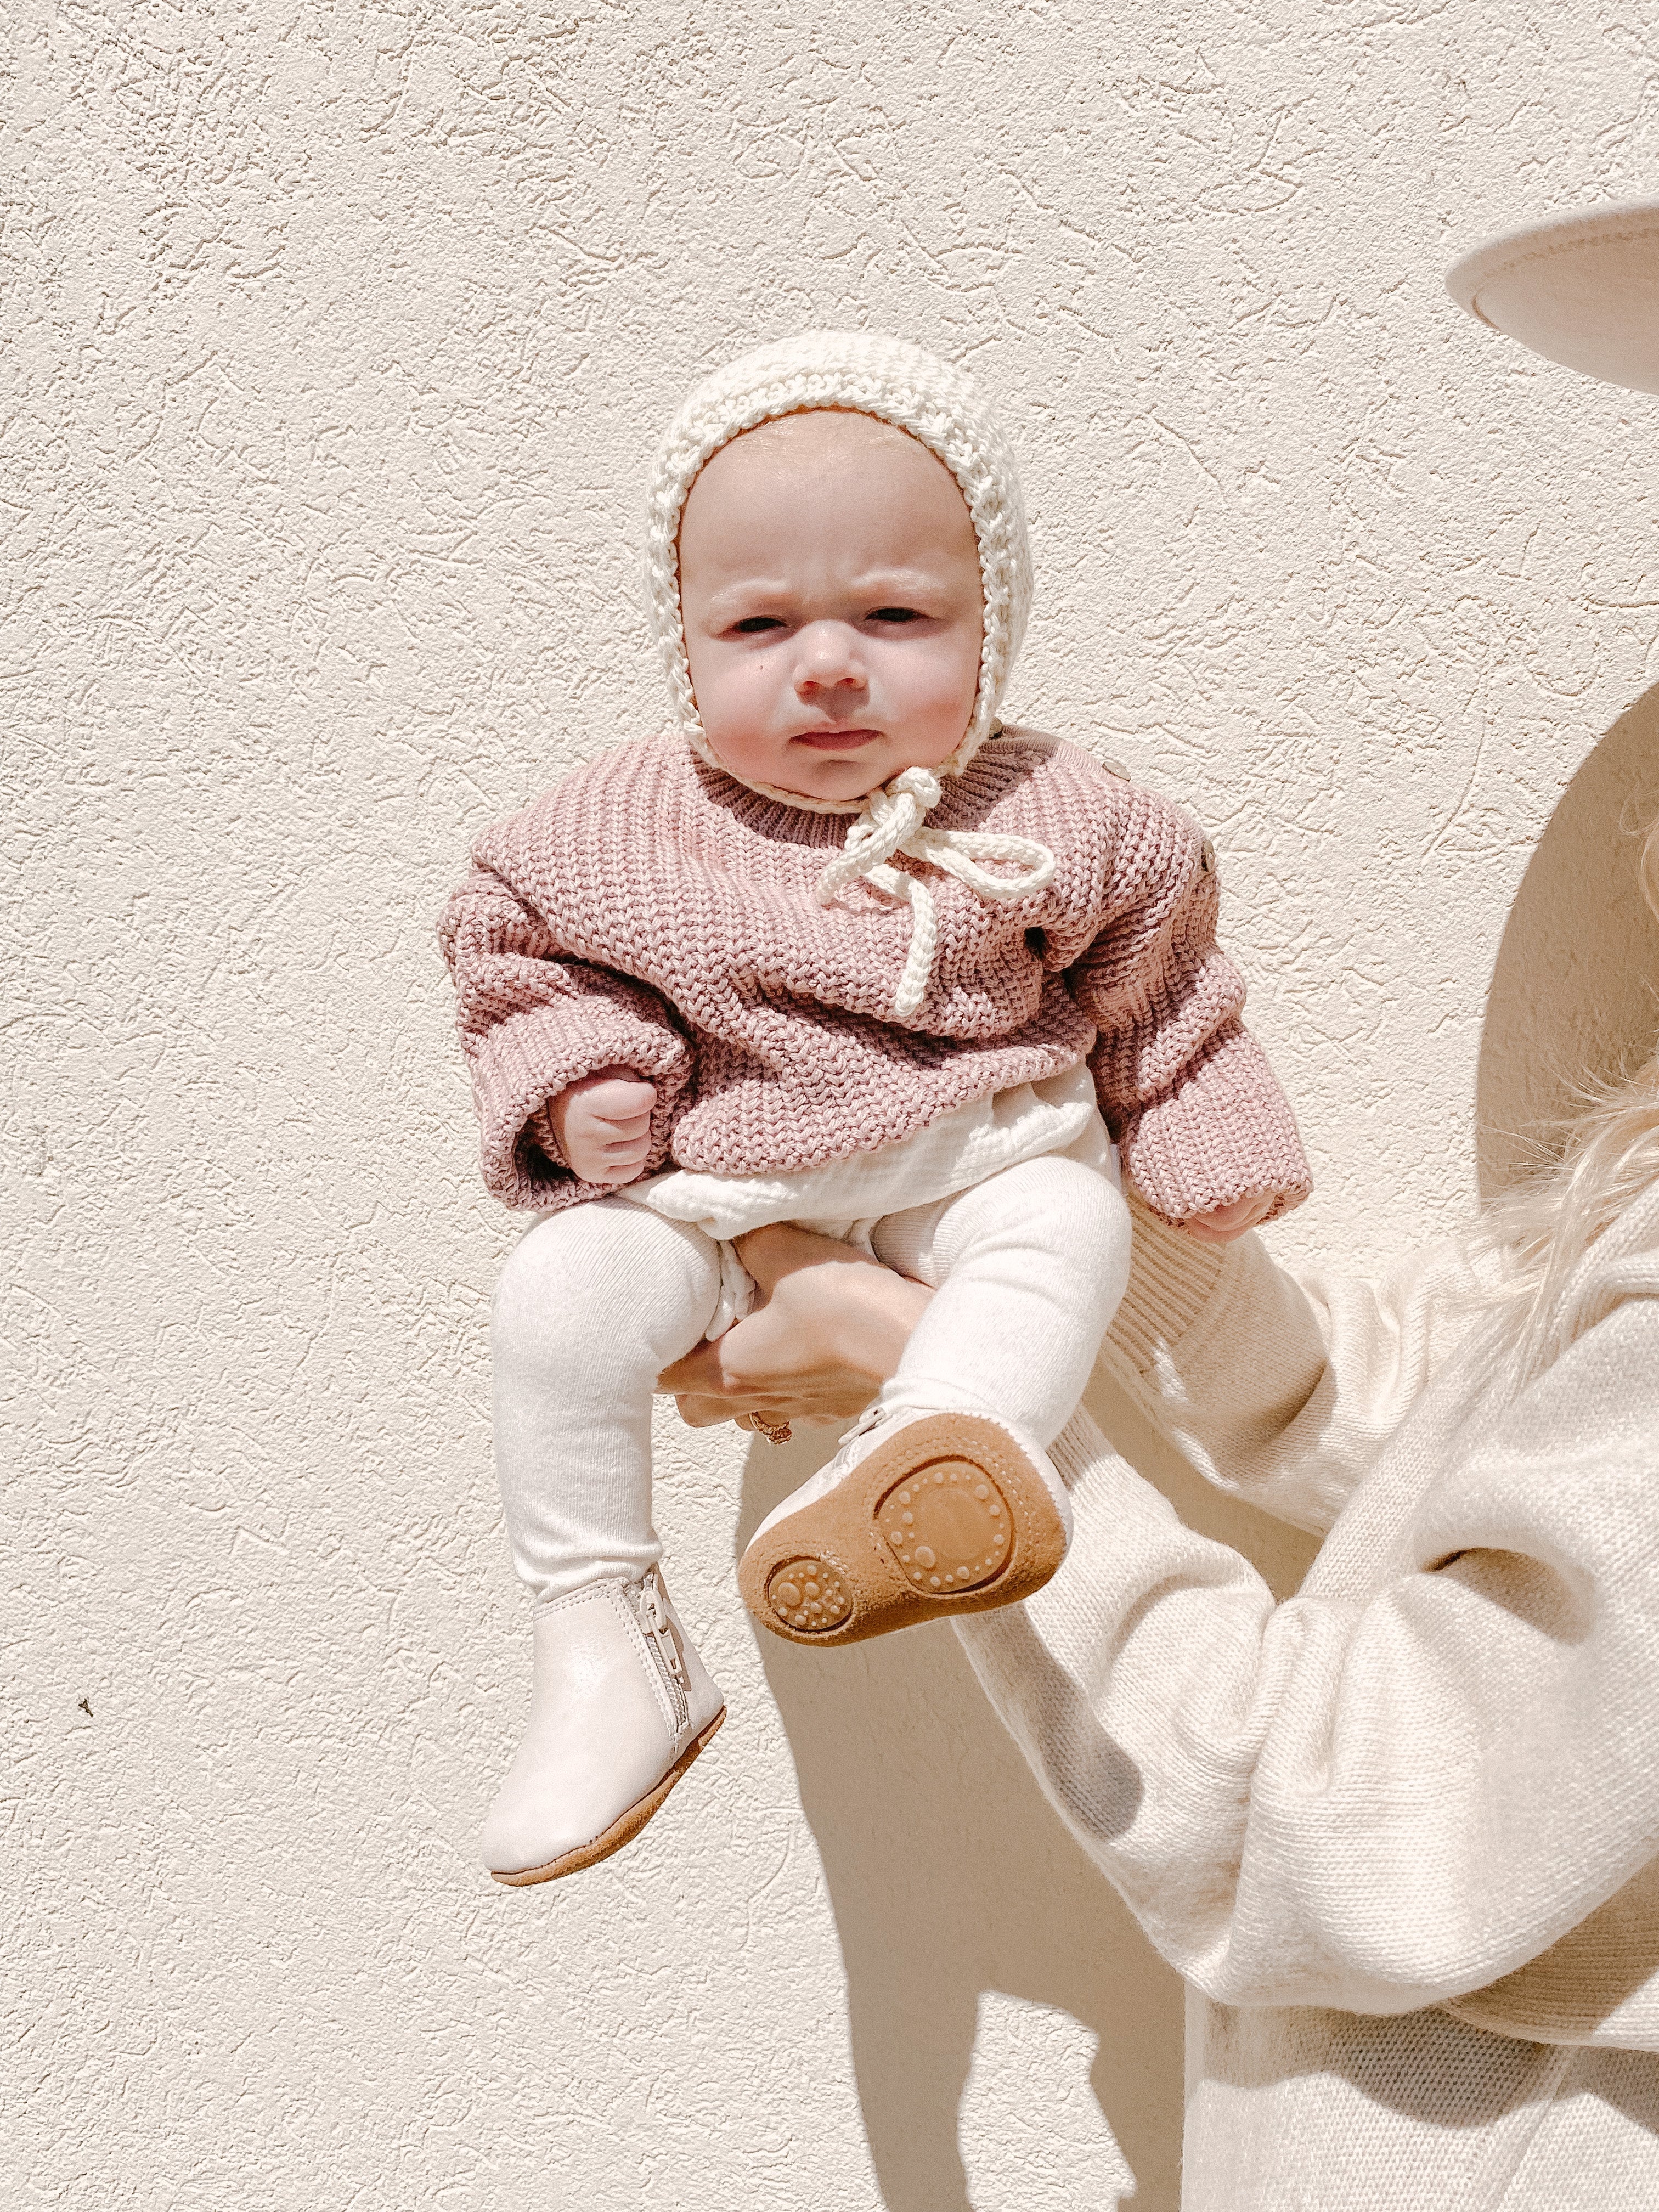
x: 1028, y: 1266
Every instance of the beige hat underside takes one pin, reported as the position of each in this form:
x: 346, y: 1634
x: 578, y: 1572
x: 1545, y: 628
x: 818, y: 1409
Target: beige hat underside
x: 1582, y: 289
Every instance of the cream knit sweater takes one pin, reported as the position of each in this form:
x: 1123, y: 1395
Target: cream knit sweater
x: 1401, y: 1832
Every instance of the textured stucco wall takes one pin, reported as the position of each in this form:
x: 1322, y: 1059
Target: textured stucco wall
x: 336, y: 337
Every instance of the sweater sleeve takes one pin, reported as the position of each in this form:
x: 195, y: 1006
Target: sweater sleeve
x: 1282, y: 1388
x: 1380, y: 1801
x: 1198, y: 1113
x: 533, y: 1020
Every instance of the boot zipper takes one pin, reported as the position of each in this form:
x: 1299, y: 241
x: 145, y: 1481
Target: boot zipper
x: 664, y: 1641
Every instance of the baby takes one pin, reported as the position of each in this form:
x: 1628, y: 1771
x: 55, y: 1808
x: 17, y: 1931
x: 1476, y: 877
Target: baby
x: 695, y: 999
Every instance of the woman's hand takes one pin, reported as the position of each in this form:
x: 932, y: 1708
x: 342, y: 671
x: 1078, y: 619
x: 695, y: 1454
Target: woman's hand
x: 831, y: 1327
x: 828, y: 1335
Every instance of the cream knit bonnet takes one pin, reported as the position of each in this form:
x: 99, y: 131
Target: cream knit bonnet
x: 941, y: 407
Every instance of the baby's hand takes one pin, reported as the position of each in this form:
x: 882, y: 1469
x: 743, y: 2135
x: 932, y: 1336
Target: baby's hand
x: 1222, y: 1222
x: 603, y: 1125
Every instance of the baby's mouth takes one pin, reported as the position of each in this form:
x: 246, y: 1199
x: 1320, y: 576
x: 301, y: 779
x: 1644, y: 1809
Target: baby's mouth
x: 836, y: 741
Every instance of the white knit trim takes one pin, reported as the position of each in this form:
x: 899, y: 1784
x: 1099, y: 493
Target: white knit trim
x: 939, y: 406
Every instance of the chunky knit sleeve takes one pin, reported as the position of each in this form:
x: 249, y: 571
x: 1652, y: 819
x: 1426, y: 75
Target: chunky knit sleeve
x: 533, y: 1021
x: 1284, y: 1389
x: 1197, y: 1112
x: 1432, y: 1773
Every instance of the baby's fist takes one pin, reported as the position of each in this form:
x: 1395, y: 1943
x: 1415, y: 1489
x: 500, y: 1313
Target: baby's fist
x: 1224, y: 1223
x: 603, y: 1125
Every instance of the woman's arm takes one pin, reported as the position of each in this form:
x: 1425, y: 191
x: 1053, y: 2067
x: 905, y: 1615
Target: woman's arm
x: 1282, y: 1388
x: 1389, y: 1792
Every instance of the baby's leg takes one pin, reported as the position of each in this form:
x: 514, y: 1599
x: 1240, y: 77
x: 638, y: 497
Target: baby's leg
x: 592, y: 1304
x: 942, y: 1499
x: 1029, y: 1269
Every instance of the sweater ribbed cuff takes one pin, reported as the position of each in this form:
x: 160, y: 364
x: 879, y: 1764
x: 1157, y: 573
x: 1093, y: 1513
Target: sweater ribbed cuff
x: 1172, y: 1277
x: 1224, y: 1132
x: 526, y: 1061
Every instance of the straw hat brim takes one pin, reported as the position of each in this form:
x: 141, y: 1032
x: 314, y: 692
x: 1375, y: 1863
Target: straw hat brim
x: 1582, y: 289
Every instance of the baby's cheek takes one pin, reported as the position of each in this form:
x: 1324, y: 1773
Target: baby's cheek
x: 741, y: 710
x: 930, y: 687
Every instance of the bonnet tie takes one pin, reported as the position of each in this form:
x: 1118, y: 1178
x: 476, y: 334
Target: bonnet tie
x: 894, y: 821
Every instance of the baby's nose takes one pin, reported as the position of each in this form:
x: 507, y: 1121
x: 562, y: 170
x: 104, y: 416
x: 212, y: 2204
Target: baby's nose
x: 829, y: 659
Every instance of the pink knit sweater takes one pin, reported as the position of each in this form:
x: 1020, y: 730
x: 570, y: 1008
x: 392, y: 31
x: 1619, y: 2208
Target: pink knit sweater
x: 655, y: 914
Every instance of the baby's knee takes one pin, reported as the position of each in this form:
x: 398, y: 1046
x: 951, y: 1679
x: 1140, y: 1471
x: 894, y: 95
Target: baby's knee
x: 535, y: 1287
x: 600, y: 1275
x: 1076, y: 1209
x: 1079, y: 1219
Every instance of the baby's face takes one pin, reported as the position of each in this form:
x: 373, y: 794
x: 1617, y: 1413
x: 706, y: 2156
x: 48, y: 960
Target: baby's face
x: 830, y: 592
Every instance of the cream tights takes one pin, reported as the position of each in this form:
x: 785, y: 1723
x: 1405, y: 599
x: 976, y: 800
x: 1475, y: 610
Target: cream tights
x: 595, y: 1302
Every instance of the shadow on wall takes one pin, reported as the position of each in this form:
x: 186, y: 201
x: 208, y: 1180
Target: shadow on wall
x: 957, y: 1892
x: 1572, y: 993
x: 952, y: 1880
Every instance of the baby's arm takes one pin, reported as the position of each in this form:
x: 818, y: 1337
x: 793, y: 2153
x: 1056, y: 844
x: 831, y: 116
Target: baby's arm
x: 1205, y: 1132
x: 553, y: 1041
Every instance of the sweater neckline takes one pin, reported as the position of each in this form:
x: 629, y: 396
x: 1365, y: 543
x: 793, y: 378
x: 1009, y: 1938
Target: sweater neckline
x: 798, y: 825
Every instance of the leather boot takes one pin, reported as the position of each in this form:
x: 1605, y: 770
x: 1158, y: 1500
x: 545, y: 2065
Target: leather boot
x: 620, y: 1705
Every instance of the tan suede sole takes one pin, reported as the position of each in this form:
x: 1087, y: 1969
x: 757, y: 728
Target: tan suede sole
x: 620, y: 1832
x: 949, y: 1517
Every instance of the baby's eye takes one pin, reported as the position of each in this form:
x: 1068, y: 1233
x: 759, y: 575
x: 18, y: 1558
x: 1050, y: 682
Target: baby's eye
x: 893, y: 615
x: 752, y: 625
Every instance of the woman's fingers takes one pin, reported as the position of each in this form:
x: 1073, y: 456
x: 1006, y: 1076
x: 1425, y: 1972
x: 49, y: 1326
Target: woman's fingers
x: 748, y: 1367
x: 711, y: 1386
x: 781, y: 1249
x: 700, y: 1374
x: 699, y: 1412
x: 819, y: 1348
x: 704, y: 1412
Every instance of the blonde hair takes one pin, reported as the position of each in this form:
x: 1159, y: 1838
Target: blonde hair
x: 1603, y: 1159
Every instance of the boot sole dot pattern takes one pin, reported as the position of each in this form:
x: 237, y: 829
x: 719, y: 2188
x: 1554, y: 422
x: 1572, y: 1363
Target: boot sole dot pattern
x: 952, y: 1515
x: 947, y: 1526
x: 808, y: 1595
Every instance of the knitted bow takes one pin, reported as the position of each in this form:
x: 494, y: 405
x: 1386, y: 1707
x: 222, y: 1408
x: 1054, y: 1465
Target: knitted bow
x: 893, y: 821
